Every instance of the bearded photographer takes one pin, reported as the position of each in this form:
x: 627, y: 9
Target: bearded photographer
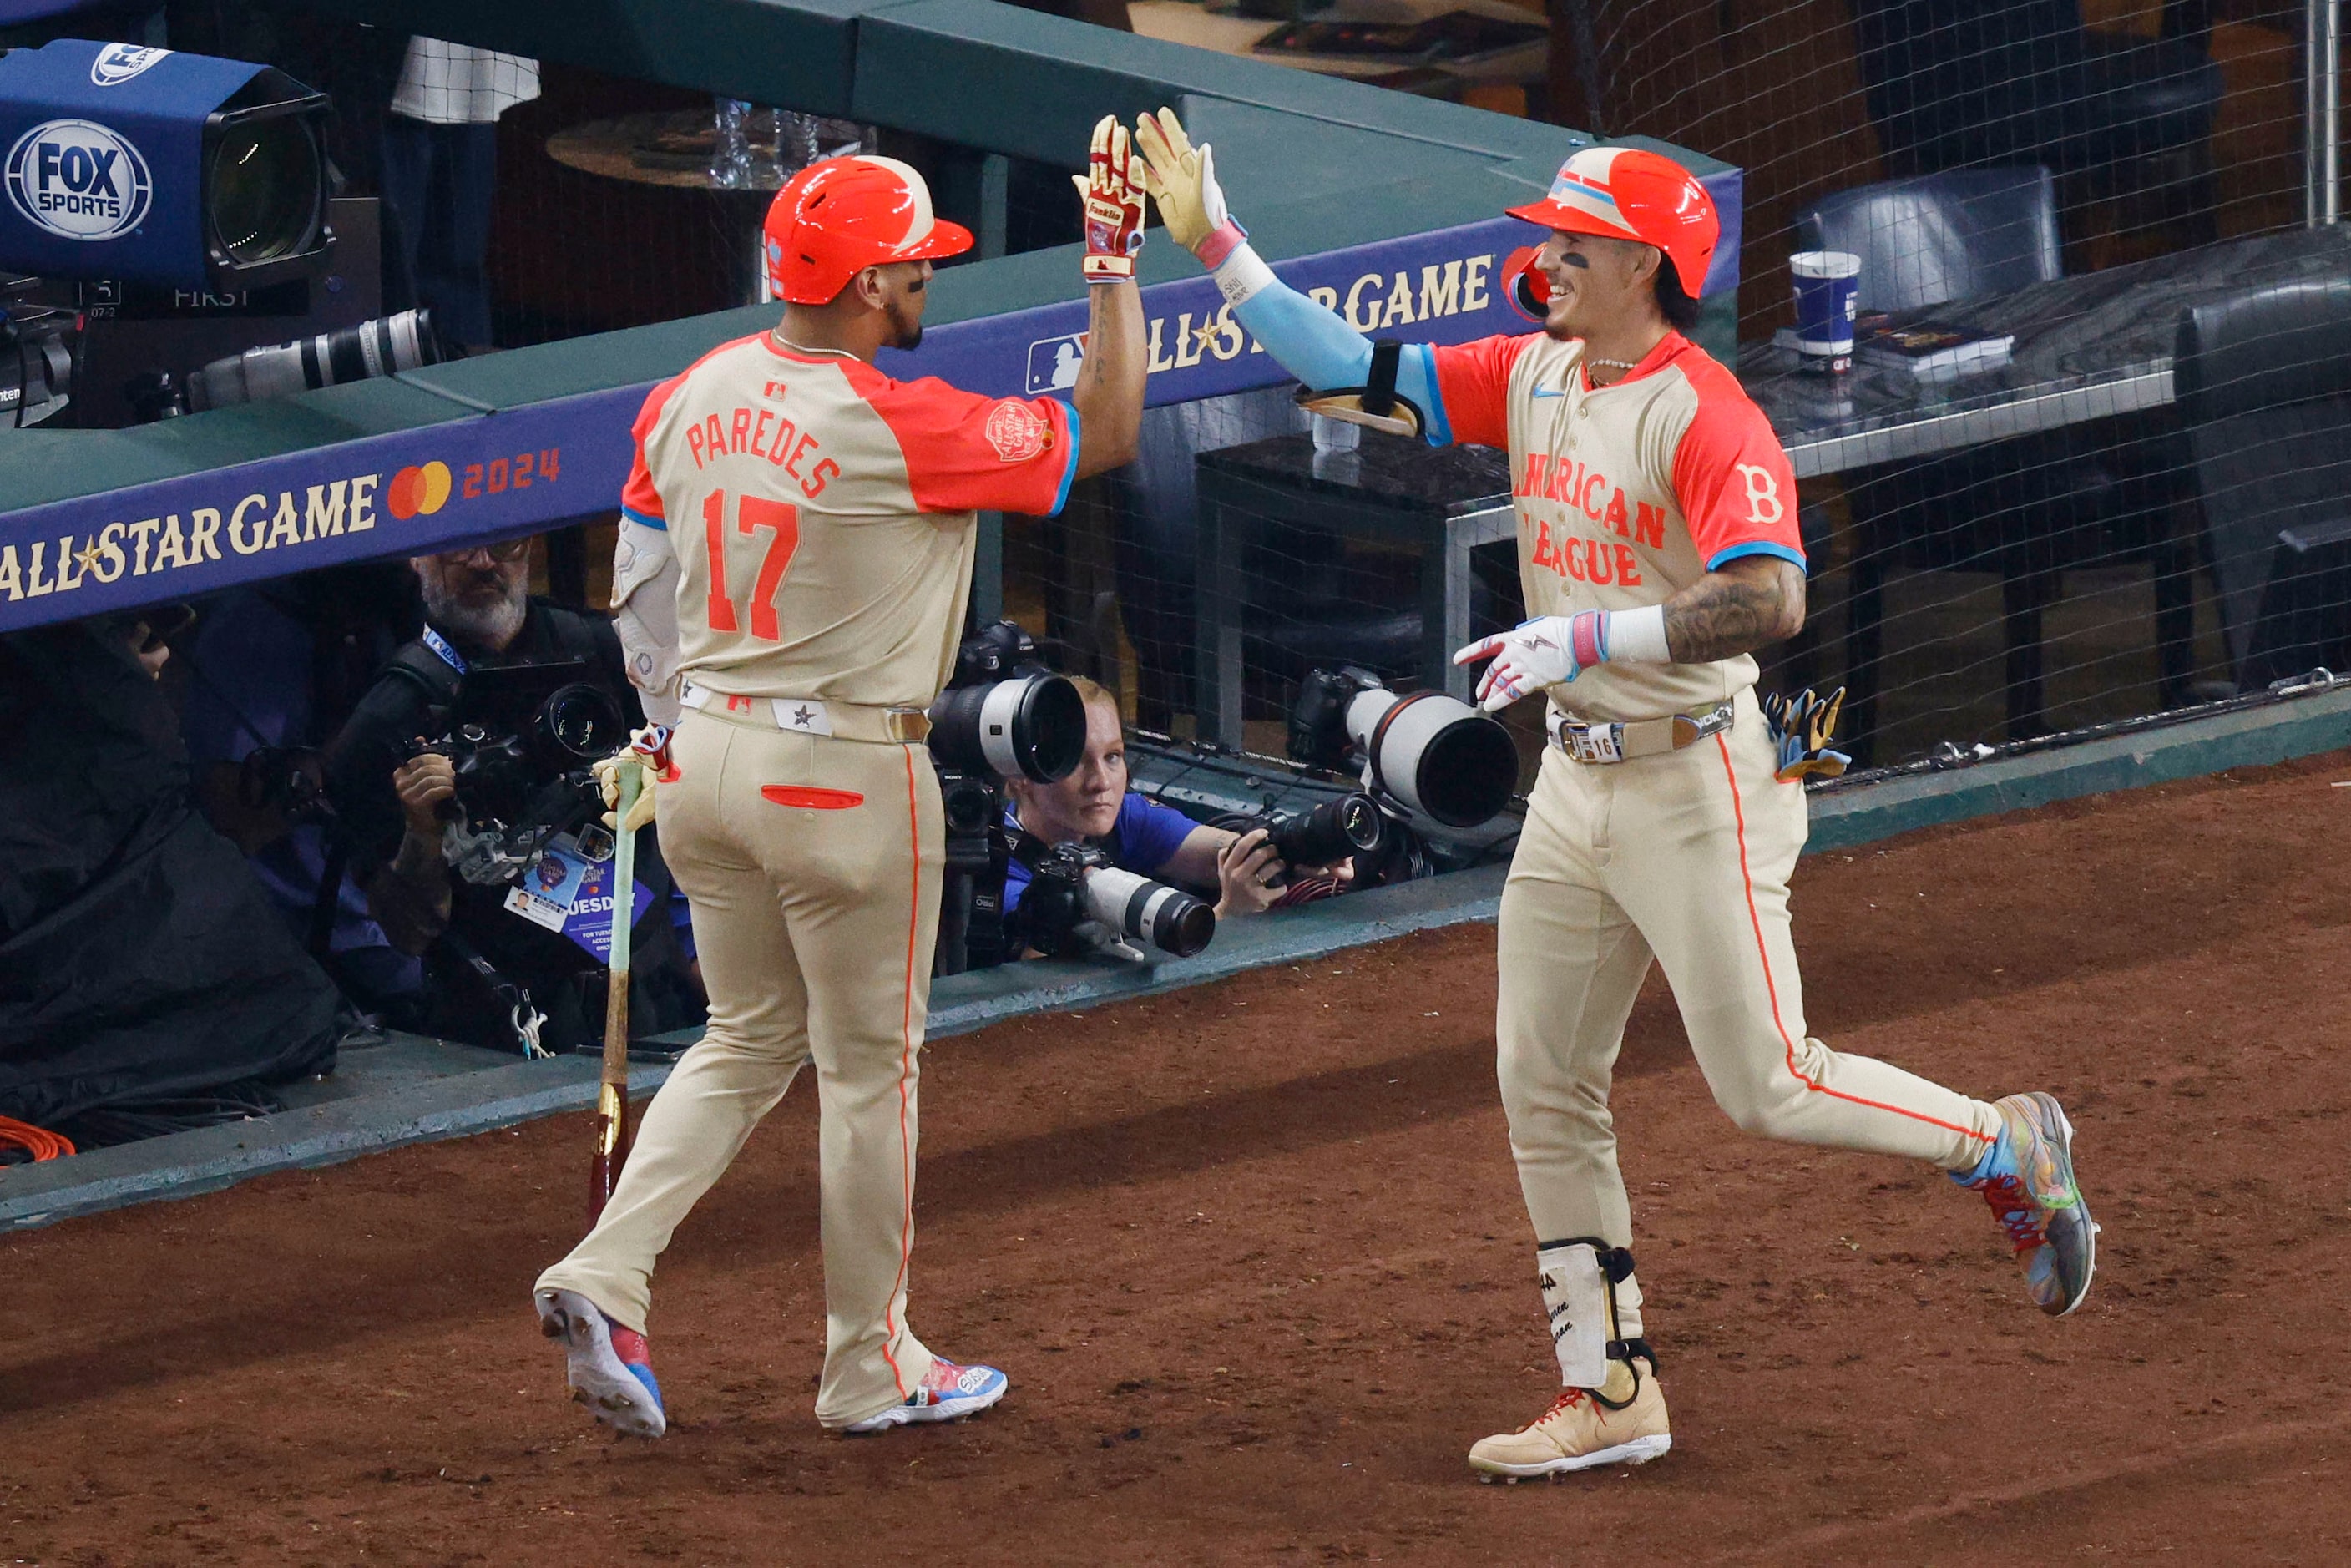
x: 479, y: 677
x: 1094, y: 804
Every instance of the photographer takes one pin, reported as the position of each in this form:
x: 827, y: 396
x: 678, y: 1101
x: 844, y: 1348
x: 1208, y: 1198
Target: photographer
x: 487, y: 652
x: 1156, y: 841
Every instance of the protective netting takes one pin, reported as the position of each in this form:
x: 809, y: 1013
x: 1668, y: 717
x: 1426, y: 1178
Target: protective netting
x: 2070, y: 525
x: 2054, y: 536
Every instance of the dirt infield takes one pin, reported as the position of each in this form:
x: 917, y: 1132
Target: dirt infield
x: 1254, y: 1257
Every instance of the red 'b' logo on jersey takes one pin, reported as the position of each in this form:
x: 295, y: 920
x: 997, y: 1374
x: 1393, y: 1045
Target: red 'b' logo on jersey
x: 1017, y: 430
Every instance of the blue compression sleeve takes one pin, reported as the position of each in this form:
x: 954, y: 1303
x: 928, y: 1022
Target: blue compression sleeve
x: 1317, y: 346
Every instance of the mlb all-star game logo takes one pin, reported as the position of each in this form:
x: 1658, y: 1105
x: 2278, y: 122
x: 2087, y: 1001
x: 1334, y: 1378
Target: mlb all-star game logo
x: 1017, y: 430
x: 78, y: 179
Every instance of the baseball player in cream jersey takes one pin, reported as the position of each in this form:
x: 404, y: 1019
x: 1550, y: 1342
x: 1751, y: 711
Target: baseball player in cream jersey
x: 1657, y: 548
x: 796, y: 552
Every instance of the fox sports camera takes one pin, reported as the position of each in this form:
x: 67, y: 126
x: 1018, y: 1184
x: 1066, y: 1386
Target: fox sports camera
x: 157, y: 167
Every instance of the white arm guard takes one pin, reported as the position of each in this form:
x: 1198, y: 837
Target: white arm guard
x: 644, y: 606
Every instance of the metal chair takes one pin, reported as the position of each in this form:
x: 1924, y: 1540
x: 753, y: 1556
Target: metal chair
x: 2025, y: 509
x: 2263, y: 382
x: 1955, y: 84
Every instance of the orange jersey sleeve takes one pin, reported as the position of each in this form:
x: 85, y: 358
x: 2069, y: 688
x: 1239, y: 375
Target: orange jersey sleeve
x: 967, y: 452
x: 1473, y: 381
x: 639, y: 499
x: 1736, y: 489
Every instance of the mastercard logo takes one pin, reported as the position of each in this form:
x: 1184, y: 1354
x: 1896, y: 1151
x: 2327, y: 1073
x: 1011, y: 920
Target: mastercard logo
x: 418, y: 491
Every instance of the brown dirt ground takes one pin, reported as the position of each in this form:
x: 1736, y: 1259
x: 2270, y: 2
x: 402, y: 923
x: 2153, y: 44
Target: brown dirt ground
x: 1254, y: 1257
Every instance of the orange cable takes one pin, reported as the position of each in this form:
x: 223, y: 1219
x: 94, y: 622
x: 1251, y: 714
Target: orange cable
x: 43, y: 1143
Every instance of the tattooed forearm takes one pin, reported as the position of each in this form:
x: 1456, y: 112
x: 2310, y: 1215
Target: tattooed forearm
x: 1752, y: 601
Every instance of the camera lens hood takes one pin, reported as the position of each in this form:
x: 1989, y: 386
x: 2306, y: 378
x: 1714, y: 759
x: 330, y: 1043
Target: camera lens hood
x: 1031, y: 727
x: 1436, y: 754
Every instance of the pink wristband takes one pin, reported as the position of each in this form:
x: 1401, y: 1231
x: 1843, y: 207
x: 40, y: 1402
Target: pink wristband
x: 1587, y: 637
x: 1222, y: 241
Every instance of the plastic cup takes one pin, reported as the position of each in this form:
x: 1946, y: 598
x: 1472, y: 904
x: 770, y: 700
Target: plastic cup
x: 1828, y: 287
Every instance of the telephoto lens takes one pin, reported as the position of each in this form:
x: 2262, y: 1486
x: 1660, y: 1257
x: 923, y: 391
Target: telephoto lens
x: 1436, y: 754
x: 377, y: 348
x: 1331, y: 832
x: 1148, y: 912
x: 1030, y: 726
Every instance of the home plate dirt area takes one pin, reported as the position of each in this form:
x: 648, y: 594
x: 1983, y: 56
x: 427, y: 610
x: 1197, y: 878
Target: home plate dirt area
x: 1254, y: 1257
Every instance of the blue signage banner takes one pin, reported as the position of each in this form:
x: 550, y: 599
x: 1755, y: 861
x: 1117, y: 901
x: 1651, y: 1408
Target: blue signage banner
x: 517, y: 471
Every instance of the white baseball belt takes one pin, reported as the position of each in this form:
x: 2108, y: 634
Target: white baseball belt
x: 810, y: 715
x: 1584, y: 741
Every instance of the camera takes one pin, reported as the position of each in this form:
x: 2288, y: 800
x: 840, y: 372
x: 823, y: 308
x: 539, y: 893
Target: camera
x: 517, y: 789
x: 1352, y: 826
x: 383, y: 347
x: 1003, y: 712
x: 1002, y: 715
x: 1434, y: 754
x: 1078, y: 903
x: 153, y: 166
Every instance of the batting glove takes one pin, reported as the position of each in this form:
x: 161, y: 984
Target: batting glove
x: 647, y: 755
x: 1540, y: 652
x: 1183, y: 181
x: 1111, y: 191
x: 1802, y: 728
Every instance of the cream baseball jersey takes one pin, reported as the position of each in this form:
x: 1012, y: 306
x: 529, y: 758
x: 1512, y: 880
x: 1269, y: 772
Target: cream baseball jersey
x: 1626, y: 494
x: 821, y: 515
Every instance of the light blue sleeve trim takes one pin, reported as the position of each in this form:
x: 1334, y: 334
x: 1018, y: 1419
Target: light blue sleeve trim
x: 1316, y: 345
x: 1069, y: 473
x: 630, y: 515
x: 1417, y: 379
x: 1760, y: 546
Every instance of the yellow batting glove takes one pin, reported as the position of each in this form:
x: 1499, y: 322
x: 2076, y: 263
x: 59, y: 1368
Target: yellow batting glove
x: 1182, y: 180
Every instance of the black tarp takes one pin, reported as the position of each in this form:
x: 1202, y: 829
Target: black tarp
x: 140, y: 959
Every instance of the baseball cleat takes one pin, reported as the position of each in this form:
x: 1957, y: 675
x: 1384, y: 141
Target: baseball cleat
x: 2027, y: 1178
x: 610, y: 1366
x: 948, y: 1393
x: 1577, y: 1433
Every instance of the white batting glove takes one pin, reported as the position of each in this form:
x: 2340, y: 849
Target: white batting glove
x: 1540, y: 652
x: 646, y: 755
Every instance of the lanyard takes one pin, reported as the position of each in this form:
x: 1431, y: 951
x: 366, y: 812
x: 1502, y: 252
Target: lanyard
x: 449, y: 656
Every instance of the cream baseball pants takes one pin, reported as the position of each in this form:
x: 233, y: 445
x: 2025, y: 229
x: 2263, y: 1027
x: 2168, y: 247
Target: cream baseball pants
x: 1682, y: 857
x: 812, y: 865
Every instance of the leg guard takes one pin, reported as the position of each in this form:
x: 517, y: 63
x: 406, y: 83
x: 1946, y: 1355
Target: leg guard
x: 1579, y: 1289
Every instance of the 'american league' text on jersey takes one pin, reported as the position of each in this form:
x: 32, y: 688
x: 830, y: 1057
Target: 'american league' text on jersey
x: 1626, y: 494
x: 821, y: 515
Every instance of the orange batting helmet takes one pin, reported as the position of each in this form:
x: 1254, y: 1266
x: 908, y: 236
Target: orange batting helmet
x: 1622, y: 192
x: 837, y: 218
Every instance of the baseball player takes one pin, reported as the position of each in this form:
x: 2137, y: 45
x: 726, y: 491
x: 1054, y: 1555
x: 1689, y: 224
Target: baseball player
x: 796, y: 549
x: 1659, y: 550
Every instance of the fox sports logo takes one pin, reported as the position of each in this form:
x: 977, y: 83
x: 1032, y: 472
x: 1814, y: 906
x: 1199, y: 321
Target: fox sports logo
x: 80, y: 180
x: 118, y: 63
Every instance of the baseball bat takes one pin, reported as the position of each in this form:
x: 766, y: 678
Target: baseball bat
x: 612, y: 1094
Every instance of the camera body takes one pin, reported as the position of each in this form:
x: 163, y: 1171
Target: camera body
x: 523, y: 775
x: 1078, y: 903
x: 1002, y: 715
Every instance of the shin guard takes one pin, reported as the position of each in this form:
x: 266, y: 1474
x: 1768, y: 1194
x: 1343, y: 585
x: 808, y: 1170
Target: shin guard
x: 1579, y: 1288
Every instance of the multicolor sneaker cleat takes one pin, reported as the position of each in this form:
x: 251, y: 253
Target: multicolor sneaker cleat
x: 1580, y: 1431
x: 948, y: 1393
x: 2027, y: 1178
x: 610, y: 1366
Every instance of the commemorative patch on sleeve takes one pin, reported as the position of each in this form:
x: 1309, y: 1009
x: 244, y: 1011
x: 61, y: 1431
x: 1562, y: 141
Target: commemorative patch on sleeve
x: 1017, y: 430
